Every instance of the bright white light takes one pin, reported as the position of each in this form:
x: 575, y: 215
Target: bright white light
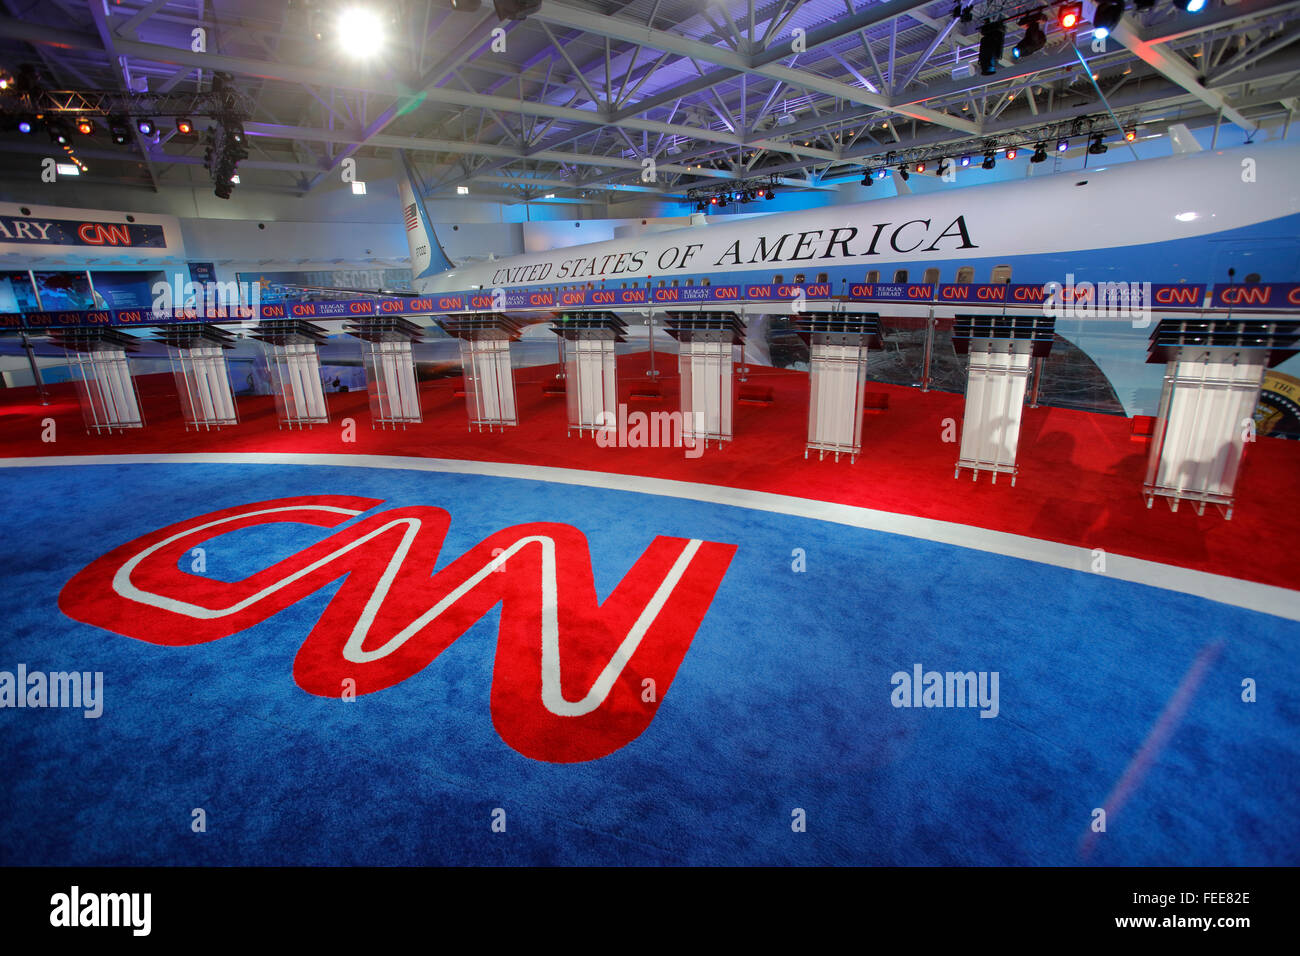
x: 1101, y: 33
x: 358, y: 188
x: 1187, y: 216
x: 66, y: 169
x: 235, y: 179
x: 1196, y: 6
x: 361, y: 33
x: 462, y: 190
x: 549, y: 196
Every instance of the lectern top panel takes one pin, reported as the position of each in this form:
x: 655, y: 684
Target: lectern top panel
x: 385, y: 328
x: 840, y: 328
x: 94, y: 339
x: 191, y: 335
x: 482, y: 325
x: 705, y: 326
x: 589, y: 325
x: 1221, y: 337
x: 289, y: 332
x: 1038, y: 330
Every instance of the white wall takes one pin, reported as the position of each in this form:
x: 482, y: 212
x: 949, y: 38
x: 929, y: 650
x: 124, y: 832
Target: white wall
x: 330, y: 228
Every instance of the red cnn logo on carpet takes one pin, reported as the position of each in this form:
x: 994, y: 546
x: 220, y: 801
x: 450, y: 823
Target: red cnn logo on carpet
x: 570, y: 678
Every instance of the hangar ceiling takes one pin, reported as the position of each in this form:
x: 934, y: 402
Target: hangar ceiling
x: 570, y: 103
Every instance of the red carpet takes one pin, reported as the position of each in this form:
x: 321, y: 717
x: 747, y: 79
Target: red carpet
x: 1080, y: 475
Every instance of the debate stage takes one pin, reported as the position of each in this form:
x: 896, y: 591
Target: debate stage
x: 772, y: 602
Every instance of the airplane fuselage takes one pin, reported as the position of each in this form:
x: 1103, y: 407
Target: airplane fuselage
x: 1187, y: 218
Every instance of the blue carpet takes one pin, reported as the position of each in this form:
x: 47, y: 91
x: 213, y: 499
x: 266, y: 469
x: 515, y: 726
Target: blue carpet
x: 782, y: 702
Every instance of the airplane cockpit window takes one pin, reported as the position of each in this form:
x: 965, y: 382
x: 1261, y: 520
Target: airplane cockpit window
x: 1000, y: 274
x: 873, y: 275
x: 799, y: 277
x: 823, y: 277
x: 690, y: 282
x: 674, y: 283
x: 706, y: 282
x: 900, y: 275
x: 931, y: 276
x: 778, y: 278
x: 966, y: 274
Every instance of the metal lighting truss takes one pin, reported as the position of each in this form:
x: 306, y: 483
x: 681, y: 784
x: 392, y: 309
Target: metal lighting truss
x: 698, y: 194
x: 216, y: 103
x: 1047, y: 134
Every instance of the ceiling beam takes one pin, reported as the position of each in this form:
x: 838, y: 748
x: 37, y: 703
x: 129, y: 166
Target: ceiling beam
x: 477, y: 35
x: 762, y: 64
x: 123, y: 78
x: 421, y: 144
x: 129, y: 28
x: 1172, y: 66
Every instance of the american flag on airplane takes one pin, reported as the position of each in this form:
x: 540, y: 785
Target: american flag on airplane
x: 412, y: 217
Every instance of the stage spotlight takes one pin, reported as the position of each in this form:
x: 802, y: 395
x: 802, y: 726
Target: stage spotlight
x: 146, y: 127
x: 920, y: 167
x: 1011, y: 153
x: 117, y: 129
x: 1033, y: 40
x: 771, y: 194
x: 965, y: 161
x: 1040, y: 154
x: 1190, y: 6
x: 85, y: 127
x: 58, y: 131
x: 1106, y: 17
x: 992, y: 38
x: 1130, y: 135
x: 989, y: 161
x: 361, y: 33
x: 24, y: 126
x: 902, y: 171
x: 713, y: 201
x: 882, y: 173
x: 1068, y: 15
x: 1062, y: 145
x: 867, y: 178
x: 1097, y: 146
x: 184, y: 127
